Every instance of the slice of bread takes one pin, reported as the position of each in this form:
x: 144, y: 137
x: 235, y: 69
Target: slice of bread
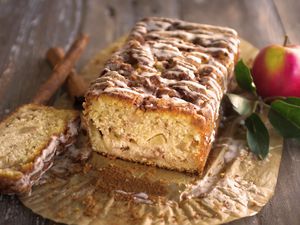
x: 30, y: 137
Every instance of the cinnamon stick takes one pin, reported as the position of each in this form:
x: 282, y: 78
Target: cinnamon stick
x: 55, y: 55
x: 61, y: 71
x: 76, y: 85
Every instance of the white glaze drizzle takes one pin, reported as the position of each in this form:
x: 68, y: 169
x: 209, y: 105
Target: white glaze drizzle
x: 185, y: 63
x: 39, y: 165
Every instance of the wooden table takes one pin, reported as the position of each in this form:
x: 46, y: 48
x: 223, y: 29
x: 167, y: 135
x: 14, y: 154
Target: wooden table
x: 28, y: 28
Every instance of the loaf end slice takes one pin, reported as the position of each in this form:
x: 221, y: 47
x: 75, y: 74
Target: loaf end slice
x: 30, y: 138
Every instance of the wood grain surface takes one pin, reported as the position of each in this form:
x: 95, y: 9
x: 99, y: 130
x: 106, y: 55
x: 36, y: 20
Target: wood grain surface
x: 290, y: 17
x: 29, y: 27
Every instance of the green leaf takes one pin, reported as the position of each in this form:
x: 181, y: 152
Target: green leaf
x: 286, y: 128
x: 243, y: 77
x: 293, y: 101
x: 240, y: 104
x: 285, y: 117
x: 257, y: 136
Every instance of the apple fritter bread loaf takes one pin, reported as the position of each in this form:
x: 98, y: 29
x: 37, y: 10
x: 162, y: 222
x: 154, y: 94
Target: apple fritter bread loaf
x: 157, y: 100
x: 30, y: 137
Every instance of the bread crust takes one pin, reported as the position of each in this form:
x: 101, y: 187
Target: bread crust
x: 19, y: 180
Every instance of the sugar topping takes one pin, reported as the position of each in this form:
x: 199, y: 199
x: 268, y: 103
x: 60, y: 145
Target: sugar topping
x: 169, y: 63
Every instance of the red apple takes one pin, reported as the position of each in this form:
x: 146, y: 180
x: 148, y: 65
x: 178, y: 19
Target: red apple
x: 276, y: 71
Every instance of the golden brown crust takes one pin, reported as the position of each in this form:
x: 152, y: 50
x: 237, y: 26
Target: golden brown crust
x: 20, y: 179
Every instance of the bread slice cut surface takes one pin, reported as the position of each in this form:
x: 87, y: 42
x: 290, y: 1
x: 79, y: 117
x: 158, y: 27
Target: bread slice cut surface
x: 30, y: 137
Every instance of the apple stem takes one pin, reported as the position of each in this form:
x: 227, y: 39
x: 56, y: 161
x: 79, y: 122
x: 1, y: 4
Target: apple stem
x: 286, y: 39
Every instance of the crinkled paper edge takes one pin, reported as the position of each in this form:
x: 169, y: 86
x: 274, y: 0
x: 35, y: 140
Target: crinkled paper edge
x: 237, y: 184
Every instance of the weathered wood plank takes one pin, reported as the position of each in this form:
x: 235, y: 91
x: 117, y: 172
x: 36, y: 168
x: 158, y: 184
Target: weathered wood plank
x: 27, y: 30
x: 289, y: 13
x: 166, y: 8
x: 105, y: 21
x: 29, y: 27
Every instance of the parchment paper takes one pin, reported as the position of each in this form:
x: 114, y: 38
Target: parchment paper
x: 87, y: 188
